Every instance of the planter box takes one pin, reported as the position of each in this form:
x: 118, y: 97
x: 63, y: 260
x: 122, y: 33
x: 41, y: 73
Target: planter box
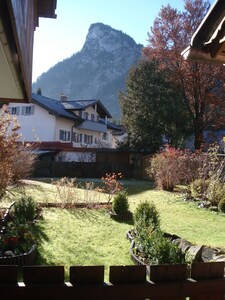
x: 21, y: 259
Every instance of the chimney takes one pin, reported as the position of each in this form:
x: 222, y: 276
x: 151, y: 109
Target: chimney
x: 63, y: 97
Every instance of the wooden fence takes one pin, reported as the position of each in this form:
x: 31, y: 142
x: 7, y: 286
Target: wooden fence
x: 167, y: 282
x: 81, y: 169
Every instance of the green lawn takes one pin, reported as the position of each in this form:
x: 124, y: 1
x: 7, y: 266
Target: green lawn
x: 199, y: 226
x: 90, y: 237
x: 83, y: 237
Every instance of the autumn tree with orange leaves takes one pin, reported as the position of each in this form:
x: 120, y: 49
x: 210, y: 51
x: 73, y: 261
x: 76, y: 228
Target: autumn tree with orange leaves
x: 201, y: 83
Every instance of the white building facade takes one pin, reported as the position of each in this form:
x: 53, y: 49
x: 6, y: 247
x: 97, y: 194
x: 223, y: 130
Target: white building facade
x: 66, y: 125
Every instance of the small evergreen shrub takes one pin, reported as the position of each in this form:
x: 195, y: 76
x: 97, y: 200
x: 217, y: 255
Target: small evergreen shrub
x: 120, y: 203
x: 157, y: 248
x: 24, y: 210
x: 146, y: 215
x: 161, y: 250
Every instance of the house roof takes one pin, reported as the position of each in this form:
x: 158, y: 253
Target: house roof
x: 46, y: 8
x: 65, y: 108
x: 55, y: 107
x: 208, y: 42
x: 110, y: 125
x: 18, y: 20
x: 83, y: 104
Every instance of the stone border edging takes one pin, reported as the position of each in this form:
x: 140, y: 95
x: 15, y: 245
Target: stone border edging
x: 21, y: 259
x: 199, y: 253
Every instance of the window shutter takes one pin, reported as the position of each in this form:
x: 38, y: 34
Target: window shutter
x: 61, y: 135
x: 32, y: 110
x: 73, y: 136
x: 68, y: 136
x: 81, y: 138
x: 17, y: 110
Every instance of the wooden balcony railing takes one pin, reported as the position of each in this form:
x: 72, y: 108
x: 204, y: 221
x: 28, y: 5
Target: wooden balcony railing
x: 167, y: 282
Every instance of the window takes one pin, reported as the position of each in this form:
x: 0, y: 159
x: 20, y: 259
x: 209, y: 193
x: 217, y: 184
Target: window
x: 92, y: 117
x: 77, y: 137
x: 64, y: 135
x: 105, y: 136
x: 88, y: 139
x: 80, y: 113
x: 15, y: 110
x: 28, y: 110
x: 86, y: 115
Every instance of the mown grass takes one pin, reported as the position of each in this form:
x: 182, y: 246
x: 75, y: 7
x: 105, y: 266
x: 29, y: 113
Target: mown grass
x: 90, y: 237
x: 198, y: 225
x: 83, y: 237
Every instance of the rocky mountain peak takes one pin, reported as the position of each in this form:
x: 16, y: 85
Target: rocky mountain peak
x: 102, y: 37
x: 98, y: 71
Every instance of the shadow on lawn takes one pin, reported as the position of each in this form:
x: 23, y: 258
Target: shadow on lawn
x: 134, y: 187
x: 40, y: 236
x: 128, y: 222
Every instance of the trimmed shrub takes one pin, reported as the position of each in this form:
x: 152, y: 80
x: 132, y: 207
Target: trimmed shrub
x: 161, y: 250
x: 146, y: 215
x: 24, y: 210
x: 120, y: 203
x: 157, y: 248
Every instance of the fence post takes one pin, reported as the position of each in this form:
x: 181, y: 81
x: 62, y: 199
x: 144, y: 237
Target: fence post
x: 207, y: 271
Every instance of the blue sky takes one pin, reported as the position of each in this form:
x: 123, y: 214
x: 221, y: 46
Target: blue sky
x: 57, y: 39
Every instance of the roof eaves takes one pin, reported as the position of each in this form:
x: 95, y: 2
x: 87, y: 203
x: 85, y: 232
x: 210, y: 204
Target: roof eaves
x: 104, y: 108
x: 199, y: 48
